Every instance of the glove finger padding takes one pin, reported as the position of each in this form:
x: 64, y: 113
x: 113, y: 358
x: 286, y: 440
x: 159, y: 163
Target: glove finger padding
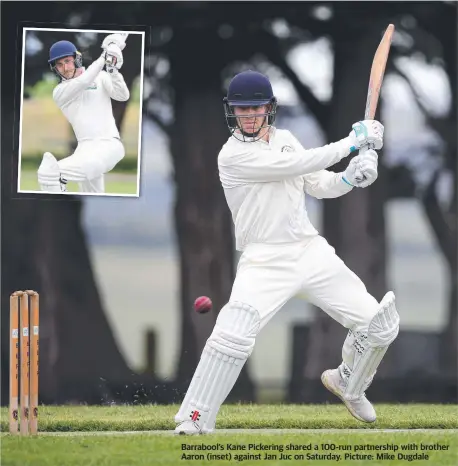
x: 362, y: 169
x: 116, y: 39
x: 367, y: 133
x: 365, y: 169
x: 114, y: 59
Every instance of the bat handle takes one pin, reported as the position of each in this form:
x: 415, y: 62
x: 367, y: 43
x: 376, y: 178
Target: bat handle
x: 362, y: 150
x: 365, y: 148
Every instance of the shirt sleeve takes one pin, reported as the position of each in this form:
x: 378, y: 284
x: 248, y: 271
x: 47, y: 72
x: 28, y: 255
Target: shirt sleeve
x: 67, y: 91
x: 323, y: 184
x: 326, y: 184
x: 116, y: 86
x: 264, y: 165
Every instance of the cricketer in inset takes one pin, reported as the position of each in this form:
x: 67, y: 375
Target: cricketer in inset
x: 84, y: 97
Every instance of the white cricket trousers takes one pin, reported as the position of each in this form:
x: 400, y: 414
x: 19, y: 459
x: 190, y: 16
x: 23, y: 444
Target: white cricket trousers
x: 89, y: 162
x: 269, y: 275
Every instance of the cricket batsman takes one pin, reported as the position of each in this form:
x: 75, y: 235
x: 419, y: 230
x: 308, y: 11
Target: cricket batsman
x: 265, y: 173
x: 84, y: 97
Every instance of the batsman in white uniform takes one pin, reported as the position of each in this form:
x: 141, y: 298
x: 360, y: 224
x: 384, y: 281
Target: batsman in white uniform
x: 84, y: 97
x: 265, y: 173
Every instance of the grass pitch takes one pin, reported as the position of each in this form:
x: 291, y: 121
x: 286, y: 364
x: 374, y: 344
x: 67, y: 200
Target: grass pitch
x: 115, y: 183
x: 128, y: 435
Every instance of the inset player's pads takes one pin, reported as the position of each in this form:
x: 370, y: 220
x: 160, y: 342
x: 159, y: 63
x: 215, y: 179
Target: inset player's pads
x: 49, y: 176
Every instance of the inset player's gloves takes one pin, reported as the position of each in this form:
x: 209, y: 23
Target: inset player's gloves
x: 113, y: 59
x: 116, y: 39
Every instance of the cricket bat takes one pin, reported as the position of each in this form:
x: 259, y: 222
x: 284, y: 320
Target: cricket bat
x: 124, y: 35
x: 376, y: 78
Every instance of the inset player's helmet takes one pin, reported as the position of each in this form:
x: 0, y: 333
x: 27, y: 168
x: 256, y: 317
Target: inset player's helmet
x: 249, y: 89
x: 62, y: 49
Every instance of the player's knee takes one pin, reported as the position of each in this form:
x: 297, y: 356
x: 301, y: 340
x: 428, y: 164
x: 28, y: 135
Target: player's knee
x: 384, y: 326
x: 236, y: 329
x: 49, y: 166
x: 49, y: 175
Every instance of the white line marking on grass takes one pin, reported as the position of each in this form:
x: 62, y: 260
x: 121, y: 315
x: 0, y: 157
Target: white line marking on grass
x: 251, y: 431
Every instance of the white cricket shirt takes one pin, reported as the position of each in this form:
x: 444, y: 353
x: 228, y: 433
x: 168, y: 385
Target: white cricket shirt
x: 86, y: 101
x: 265, y: 185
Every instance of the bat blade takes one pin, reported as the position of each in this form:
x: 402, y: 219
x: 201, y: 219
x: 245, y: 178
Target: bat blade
x: 377, y: 73
x: 375, y: 82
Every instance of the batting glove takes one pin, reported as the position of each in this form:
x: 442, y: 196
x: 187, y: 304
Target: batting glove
x: 113, y: 39
x: 362, y: 170
x: 367, y: 133
x: 113, y: 59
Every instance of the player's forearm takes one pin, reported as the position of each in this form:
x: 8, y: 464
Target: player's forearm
x: 326, y: 185
x: 119, y: 91
x: 274, y: 165
x: 313, y: 160
x: 91, y: 72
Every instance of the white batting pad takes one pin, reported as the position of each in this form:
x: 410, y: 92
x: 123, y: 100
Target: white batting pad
x: 49, y: 175
x: 226, y: 351
x: 368, y: 349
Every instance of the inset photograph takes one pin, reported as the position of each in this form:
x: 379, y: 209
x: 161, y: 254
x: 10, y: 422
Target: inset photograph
x: 81, y: 112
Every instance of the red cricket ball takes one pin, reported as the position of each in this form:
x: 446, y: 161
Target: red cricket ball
x: 203, y: 304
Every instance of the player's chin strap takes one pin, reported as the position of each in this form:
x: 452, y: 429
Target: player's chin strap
x: 252, y: 137
x: 370, y: 348
x: 49, y: 176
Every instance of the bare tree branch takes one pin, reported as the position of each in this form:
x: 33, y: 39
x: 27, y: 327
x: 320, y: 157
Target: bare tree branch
x: 444, y: 234
x: 443, y: 126
x: 414, y: 90
x: 319, y: 109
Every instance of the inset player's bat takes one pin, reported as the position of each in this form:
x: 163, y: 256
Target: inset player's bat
x: 124, y: 35
x: 376, y: 78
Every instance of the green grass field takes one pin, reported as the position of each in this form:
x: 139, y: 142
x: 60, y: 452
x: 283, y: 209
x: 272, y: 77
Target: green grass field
x: 115, y: 183
x: 86, y: 435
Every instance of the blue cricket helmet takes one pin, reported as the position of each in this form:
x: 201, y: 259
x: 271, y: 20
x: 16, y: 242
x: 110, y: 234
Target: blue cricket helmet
x: 249, y: 89
x: 61, y: 49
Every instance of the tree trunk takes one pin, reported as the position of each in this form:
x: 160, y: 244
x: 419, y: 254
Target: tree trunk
x: 449, y: 341
x: 202, y: 218
x: 44, y: 249
x: 353, y: 224
x: 130, y: 70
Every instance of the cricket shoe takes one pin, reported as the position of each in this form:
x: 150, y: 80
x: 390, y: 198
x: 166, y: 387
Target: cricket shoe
x: 191, y: 428
x: 188, y: 428
x: 360, y: 408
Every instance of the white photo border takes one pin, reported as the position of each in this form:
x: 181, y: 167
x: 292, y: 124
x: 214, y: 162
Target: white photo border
x: 139, y: 142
